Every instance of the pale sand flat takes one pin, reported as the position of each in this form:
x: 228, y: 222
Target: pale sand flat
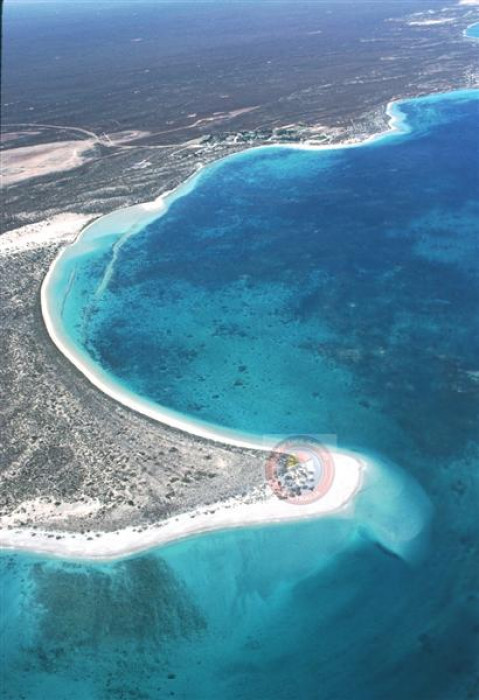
x: 25, y: 162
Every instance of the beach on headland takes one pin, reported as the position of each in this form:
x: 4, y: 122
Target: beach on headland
x: 260, y: 507
x: 88, y: 465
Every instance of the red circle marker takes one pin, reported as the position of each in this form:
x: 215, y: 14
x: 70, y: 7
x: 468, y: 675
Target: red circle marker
x: 300, y: 470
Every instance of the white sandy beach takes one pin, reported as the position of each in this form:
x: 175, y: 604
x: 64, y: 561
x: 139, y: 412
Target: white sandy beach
x: 63, y: 227
x: 430, y: 22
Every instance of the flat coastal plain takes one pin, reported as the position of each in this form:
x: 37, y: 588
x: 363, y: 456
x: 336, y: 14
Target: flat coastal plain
x: 72, y: 460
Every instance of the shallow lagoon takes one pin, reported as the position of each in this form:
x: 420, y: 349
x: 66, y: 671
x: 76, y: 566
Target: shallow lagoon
x: 362, y: 266
x: 297, y: 291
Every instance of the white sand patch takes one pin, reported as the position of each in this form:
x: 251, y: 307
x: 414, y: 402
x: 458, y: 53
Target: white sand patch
x: 118, y: 138
x: 428, y: 22
x: 63, y: 227
x: 221, y: 116
x: 25, y: 162
x: 35, y: 508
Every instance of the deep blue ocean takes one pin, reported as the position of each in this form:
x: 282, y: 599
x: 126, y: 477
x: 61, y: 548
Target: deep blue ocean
x: 286, y: 291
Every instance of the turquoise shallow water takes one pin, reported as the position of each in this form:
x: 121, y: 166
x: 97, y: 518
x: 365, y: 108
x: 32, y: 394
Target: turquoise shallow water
x: 257, y: 613
x: 473, y: 31
x: 288, y: 290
